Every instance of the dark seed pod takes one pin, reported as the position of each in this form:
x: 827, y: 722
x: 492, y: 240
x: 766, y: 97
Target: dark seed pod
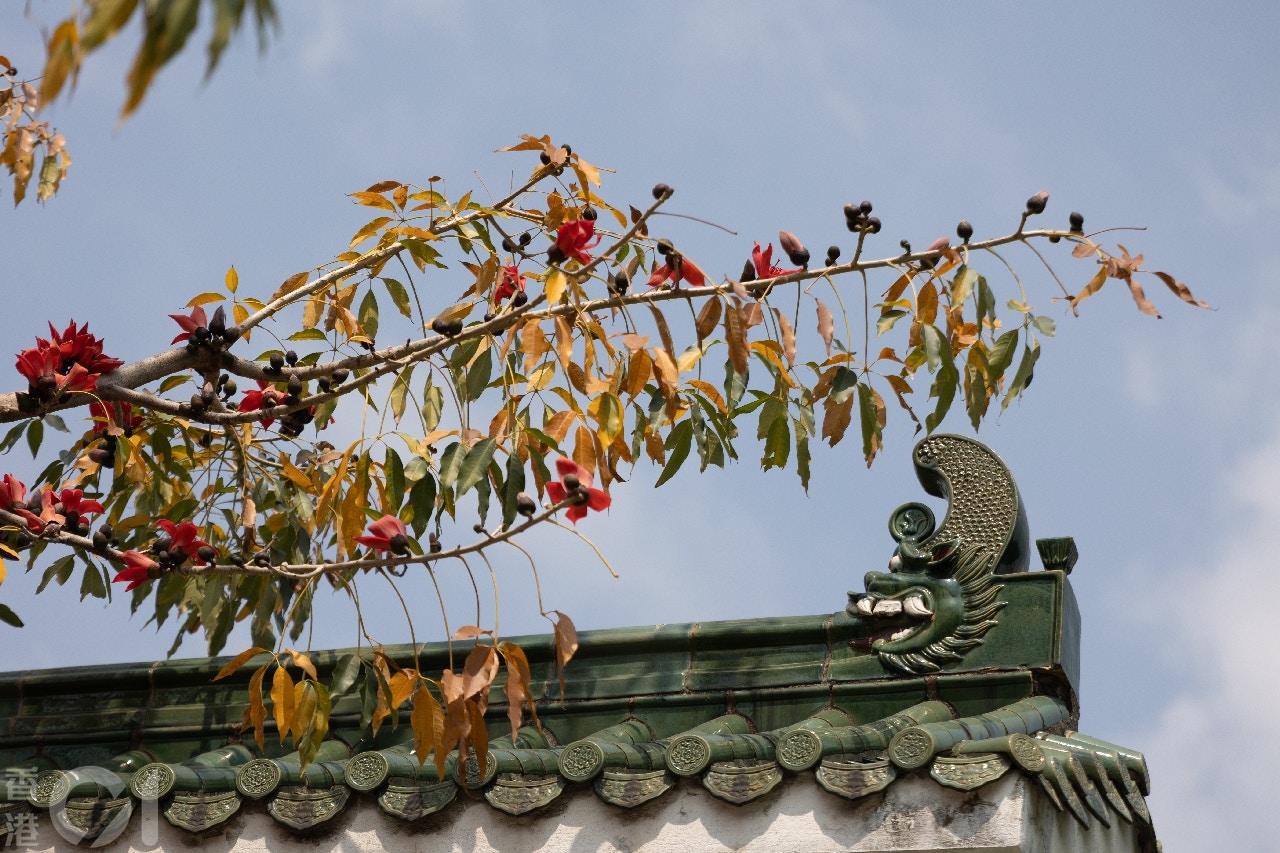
x: 1077, y: 222
x: 200, y: 335
x: 1054, y: 238
x: 229, y: 387
x: 873, y: 224
x: 270, y: 398
x: 197, y: 403
x: 291, y: 358
x: 508, y: 245
x: 433, y: 543
x: 218, y: 324
x: 964, y: 230
x: 1036, y: 203
x: 101, y: 541
x: 665, y: 247
x: 525, y: 238
x: 105, y: 458
x: 399, y: 544
x: 340, y: 375
x: 833, y: 254
x: 489, y: 315
x: 455, y: 326
x: 571, y: 482
x: 852, y: 211
x: 865, y: 207
x: 619, y: 282
x: 230, y: 336
x: 906, y: 245
x: 589, y: 214
x: 517, y: 299
x: 555, y: 255
x: 660, y: 190
x: 545, y: 158
x: 262, y: 558
x: 295, y: 386
x: 439, y: 325
x: 277, y: 361
x: 748, y: 272
x: 525, y: 504
x: 207, y: 553
x: 81, y: 527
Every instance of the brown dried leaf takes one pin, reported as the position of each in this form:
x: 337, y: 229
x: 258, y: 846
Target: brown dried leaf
x: 1084, y: 250
x: 517, y: 687
x: 635, y: 343
x: 290, y: 284
x: 1180, y: 289
x: 383, y: 186
x: 1094, y: 285
x: 639, y: 369
x: 708, y: 318
x: 752, y: 314
x: 427, y: 722
x: 927, y: 304
x: 1140, y: 298
x: 736, y: 336
x: 564, y: 342
x: 402, y: 686
x: 566, y: 642
x: 664, y: 332
x: 826, y: 325
x: 788, y: 337
x: 836, y: 419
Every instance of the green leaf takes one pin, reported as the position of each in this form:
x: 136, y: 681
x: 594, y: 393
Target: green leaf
x: 422, y: 504
x: 8, y: 617
x: 59, y: 571
x: 56, y: 422
x: 308, y: 335
x: 844, y: 383
x: 735, y: 385
x: 345, y: 673
x: 35, y: 435
x: 432, y: 405
x: 934, y: 344
x: 888, y: 319
x: 962, y: 285
x: 773, y: 410
x: 399, y: 296
x: 11, y: 437
x: 474, y: 465
x: 871, y: 429
x: 368, y: 316
x: 678, y: 444
x: 92, y: 584
x: 803, y: 457
x: 478, y: 375
x: 416, y: 470
x: 173, y: 382
x: 400, y: 392
x: 1001, y: 356
x: 777, y: 443
x: 512, y: 487
x: 393, y: 469
x: 1046, y: 325
x: 1022, y: 378
x: 986, y: 300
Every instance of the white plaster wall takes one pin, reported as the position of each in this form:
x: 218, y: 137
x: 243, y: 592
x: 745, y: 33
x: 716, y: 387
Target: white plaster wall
x: 914, y: 813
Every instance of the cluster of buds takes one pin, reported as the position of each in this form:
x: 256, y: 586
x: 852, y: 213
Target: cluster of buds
x: 858, y: 218
x: 198, y: 329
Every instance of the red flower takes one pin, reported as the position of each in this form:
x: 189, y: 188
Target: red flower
x: 512, y: 281
x: 183, y: 542
x: 190, y: 323
x: 574, y: 238
x: 12, y: 492
x: 79, y: 347
x: 264, y: 397
x: 575, y: 481
x: 48, y: 515
x: 763, y: 261
x: 73, y: 502
x: 71, y: 361
x: 681, y: 270
x: 137, y: 570
x: 387, y: 534
x: 120, y: 414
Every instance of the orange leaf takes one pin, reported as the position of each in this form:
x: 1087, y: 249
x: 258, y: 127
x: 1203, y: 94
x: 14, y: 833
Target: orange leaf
x: 290, y: 284
x: 564, y: 342
x: 257, y: 710
x: 427, y: 722
x: 639, y: 369
x: 788, y: 337
x: 826, y: 325
x: 708, y: 317
x: 282, y: 701
x: 239, y: 661
x: 373, y: 199
x: 517, y: 686
x: 383, y: 186
x: 736, y: 336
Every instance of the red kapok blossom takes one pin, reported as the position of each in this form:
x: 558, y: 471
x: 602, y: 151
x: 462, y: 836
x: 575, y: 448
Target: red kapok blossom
x: 574, y: 238
x: 73, y: 502
x: 387, y: 534
x: 138, y: 568
x: 48, y: 513
x: 511, y: 281
x: 763, y: 261
x: 681, y: 270
x: 79, y: 347
x: 183, y: 543
x: 263, y: 397
x: 119, y: 413
x: 12, y: 492
x: 579, y: 485
x: 190, y: 323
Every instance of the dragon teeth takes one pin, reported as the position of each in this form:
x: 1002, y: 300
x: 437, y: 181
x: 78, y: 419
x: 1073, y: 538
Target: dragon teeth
x: 914, y: 606
x: 863, y: 606
x: 898, y: 635
x: 887, y: 607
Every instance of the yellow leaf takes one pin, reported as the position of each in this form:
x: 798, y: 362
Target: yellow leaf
x: 370, y: 228
x: 542, y: 376
x: 239, y: 660
x: 373, y: 200
x: 2, y: 570
x: 555, y: 286
x: 205, y: 298
x: 282, y: 701
x: 688, y: 359
x: 427, y: 722
x: 233, y: 280
x: 290, y: 284
x: 303, y: 662
x: 257, y: 709
x: 312, y: 312
x: 564, y: 342
x: 295, y: 474
x: 240, y: 313
x: 9, y: 552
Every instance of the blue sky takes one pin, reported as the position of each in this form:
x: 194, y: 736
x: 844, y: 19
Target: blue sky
x: 1154, y: 443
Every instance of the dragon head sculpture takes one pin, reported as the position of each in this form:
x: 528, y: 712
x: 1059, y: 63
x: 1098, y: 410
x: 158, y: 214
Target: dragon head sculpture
x: 940, y: 596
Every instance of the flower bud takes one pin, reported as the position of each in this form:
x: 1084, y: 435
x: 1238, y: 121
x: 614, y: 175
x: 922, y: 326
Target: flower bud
x: 660, y: 190
x: 218, y: 324
x: 1077, y: 222
x: 1036, y: 203
x: 964, y: 230
x: 525, y: 504
x: 277, y: 361
x: 340, y: 375
x: 399, y: 544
